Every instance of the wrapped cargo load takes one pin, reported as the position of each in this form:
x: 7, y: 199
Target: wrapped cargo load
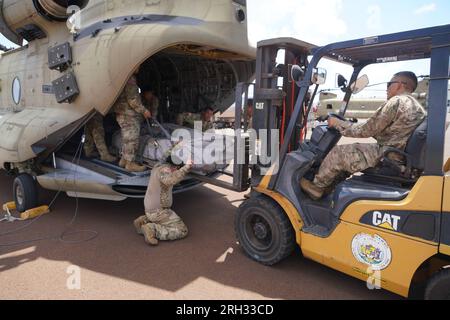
x: 211, y: 151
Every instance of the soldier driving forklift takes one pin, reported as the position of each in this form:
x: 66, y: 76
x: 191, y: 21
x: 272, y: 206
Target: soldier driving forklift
x: 391, y: 224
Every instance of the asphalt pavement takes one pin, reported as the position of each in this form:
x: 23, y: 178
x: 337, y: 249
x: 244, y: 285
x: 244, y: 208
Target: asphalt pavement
x: 117, y: 264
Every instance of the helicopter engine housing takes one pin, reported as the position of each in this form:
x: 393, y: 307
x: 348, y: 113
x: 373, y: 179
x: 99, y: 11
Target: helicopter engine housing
x: 28, y: 20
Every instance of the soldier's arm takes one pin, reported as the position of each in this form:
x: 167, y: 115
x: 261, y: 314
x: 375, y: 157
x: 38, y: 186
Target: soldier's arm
x: 134, y: 99
x: 382, y: 118
x: 169, y: 178
x: 188, y: 120
x: 155, y: 108
x: 208, y: 126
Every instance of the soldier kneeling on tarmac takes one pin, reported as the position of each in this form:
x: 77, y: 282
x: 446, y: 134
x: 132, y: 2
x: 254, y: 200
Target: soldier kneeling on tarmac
x: 160, y: 221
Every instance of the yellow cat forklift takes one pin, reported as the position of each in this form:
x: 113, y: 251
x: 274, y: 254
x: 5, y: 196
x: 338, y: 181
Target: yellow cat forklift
x: 390, y: 225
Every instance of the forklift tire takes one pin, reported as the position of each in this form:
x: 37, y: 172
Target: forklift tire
x: 264, y: 231
x: 25, y: 193
x: 438, y: 287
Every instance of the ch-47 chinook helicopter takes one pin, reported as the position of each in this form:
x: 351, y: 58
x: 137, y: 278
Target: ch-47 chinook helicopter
x: 76, y: 60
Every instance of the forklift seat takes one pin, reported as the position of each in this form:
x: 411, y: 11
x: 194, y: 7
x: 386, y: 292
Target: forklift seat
x: 356, y: 189
x: 410, y: 168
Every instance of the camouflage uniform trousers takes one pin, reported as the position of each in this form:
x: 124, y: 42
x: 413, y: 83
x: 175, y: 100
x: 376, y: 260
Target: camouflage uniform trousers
x: 95, y: 136
x: 166, y: 225
x: 131, y: 129
x: 346, y: 160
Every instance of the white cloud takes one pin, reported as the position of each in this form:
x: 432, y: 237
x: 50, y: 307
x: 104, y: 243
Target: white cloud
x: 301, y: 19
x: 374, y: 20
x: 6, y: 42
x: 322, y: 22
x: 425, y: 9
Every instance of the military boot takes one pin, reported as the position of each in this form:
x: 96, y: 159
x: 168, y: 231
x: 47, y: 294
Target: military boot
x: 134, y: 167
x: 139, y: 222
x: 90, y: 152
x: 104, y: 152
x: 149, y: 235
x: 107, y: 157
x: 311, y: 189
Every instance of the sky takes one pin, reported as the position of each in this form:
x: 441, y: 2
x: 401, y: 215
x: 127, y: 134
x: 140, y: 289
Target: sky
x: 326, y: 21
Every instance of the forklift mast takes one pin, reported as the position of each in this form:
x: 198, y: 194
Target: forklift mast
x: 274, y: 102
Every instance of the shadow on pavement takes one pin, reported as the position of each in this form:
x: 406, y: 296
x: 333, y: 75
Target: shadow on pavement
x: 119, y: 252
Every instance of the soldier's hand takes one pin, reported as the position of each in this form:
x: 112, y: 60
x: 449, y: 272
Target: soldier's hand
x: 190, y: 163
x: 333, y: 122
x: 147, y: 115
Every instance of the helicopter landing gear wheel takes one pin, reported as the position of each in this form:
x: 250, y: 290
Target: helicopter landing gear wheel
x: 25, y: 192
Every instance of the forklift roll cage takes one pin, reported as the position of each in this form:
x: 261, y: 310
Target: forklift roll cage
x: 433, y: 43
x: 269, y: 98
x: 341, y: 230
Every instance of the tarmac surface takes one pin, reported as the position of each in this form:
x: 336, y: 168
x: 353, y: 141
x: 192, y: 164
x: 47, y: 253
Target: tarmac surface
x: 117, y: 264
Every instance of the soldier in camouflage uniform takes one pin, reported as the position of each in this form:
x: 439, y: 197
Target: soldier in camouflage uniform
x: 160, y: 221
x: 130, y: 113
x: 248, y: 113
x: 205, y: 117
x: 392, y: 126
x: 95, y: 139
x: 151, y: 102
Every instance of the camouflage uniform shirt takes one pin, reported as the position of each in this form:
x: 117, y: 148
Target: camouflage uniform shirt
x: 129, y: 115
x: 391, y: 125
x: 168, y: 180
x: 130, y: 102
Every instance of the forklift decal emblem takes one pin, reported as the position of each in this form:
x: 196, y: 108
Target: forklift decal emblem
x: 373, y: 251
x: 385, y: 220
